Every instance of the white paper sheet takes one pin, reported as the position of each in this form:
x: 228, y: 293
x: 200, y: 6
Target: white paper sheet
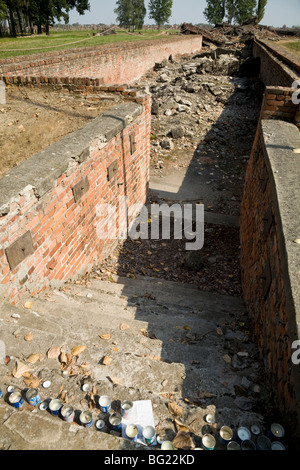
x: 141, y: 416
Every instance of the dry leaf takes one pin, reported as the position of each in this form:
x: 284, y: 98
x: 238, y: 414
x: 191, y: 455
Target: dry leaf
x: 53, y: 352
x: 106, y: 361
x: 63, y: 357
x: 28, y: 304
x: 115, y: 381
x: 32, y: 382
x: 33, y: 358
x: 180, y: 426
x: 106, y: 336
x: 183, y: 441
x: 164, y: 382
x: 28, y: 336
x: 219, y: 331
x: 124, y: 326
x: 78, y: 350
x: 175, y: 409
x: 20, y: 369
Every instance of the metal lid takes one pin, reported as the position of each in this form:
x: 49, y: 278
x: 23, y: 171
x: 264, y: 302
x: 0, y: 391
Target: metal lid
x: 100, y: 424
x: 243, y: 433
x: 46, y: 384
x: 85, y: 417
x: 277, y: 430
x: 255, y: 429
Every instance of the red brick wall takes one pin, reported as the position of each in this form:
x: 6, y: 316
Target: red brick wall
x: 275, y: 70
x: 118, y: 64
x: 266, y: 253
x: 277, y: 104
x: 65, y: 233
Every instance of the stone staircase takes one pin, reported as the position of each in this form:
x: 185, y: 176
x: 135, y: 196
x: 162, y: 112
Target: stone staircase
x: 167, y: 342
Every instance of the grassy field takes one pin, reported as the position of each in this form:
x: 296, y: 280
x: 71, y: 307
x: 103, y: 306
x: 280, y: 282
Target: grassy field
x: 10, y: 47
x: 292, y: 45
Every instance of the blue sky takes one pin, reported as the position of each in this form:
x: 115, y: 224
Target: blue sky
x: 278, y: 12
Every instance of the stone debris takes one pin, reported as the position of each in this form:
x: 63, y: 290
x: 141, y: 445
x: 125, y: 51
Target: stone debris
x: 226, y: 34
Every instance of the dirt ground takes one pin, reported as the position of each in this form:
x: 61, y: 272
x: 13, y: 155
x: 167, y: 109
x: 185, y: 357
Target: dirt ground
x: 33, y: 118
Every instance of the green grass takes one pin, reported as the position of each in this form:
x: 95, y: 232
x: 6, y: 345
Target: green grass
x: 11, y: 47
x: 293, y: 46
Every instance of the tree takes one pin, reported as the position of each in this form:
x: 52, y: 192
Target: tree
x: 131, y: 13
x: 3, y: 10
x: 24, y: 13
x: 244, y: 10
x: 138, y: 14
x: 160, y: 11
x: 123, y: 12
x: 215, y: 11
x: 260, y: 12
x: 3, y: 15
x: 237, y: 10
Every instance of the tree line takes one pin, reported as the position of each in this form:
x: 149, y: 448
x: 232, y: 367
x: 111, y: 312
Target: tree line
x: 25, y: 15
x: 237, y: 11
x: 131, y: 13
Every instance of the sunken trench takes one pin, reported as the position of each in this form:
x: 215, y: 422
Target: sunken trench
x: 205, y: 110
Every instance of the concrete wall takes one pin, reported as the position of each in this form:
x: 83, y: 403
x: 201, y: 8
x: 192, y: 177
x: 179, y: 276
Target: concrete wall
x: 270, y: 259
x: 50, y: 230
x: 118, y: 64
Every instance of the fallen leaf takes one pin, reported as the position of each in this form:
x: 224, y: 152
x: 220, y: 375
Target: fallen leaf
x: 78, y: 350
x: 20, y: 369
x: 115, y: 380
x: 106, y: 360
x: 33, y: 358
x: 28, y: 336
x: 175, y: 409
x: 297, y: 240
x: 219, y: 331
x: 53, y: 352
x: 32, y: 382
x: 183, y: 441
x: 63, y: 357
x: 164, y: 382
x: 106, y: 336
x: 28, y: 304
x: 180, y: 426
x: 124, y: 326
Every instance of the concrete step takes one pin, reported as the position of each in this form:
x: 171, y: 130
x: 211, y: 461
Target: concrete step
x: 169, y: 341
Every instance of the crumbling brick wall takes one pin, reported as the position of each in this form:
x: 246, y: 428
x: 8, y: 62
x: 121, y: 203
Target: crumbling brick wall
x: 270, y: 259
x: 52, y: 224
x: 113, y: 65
x: 275, y: 69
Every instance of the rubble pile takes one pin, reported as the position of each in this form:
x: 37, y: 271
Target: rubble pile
x: 226, y: 34
x: 204, y: 104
